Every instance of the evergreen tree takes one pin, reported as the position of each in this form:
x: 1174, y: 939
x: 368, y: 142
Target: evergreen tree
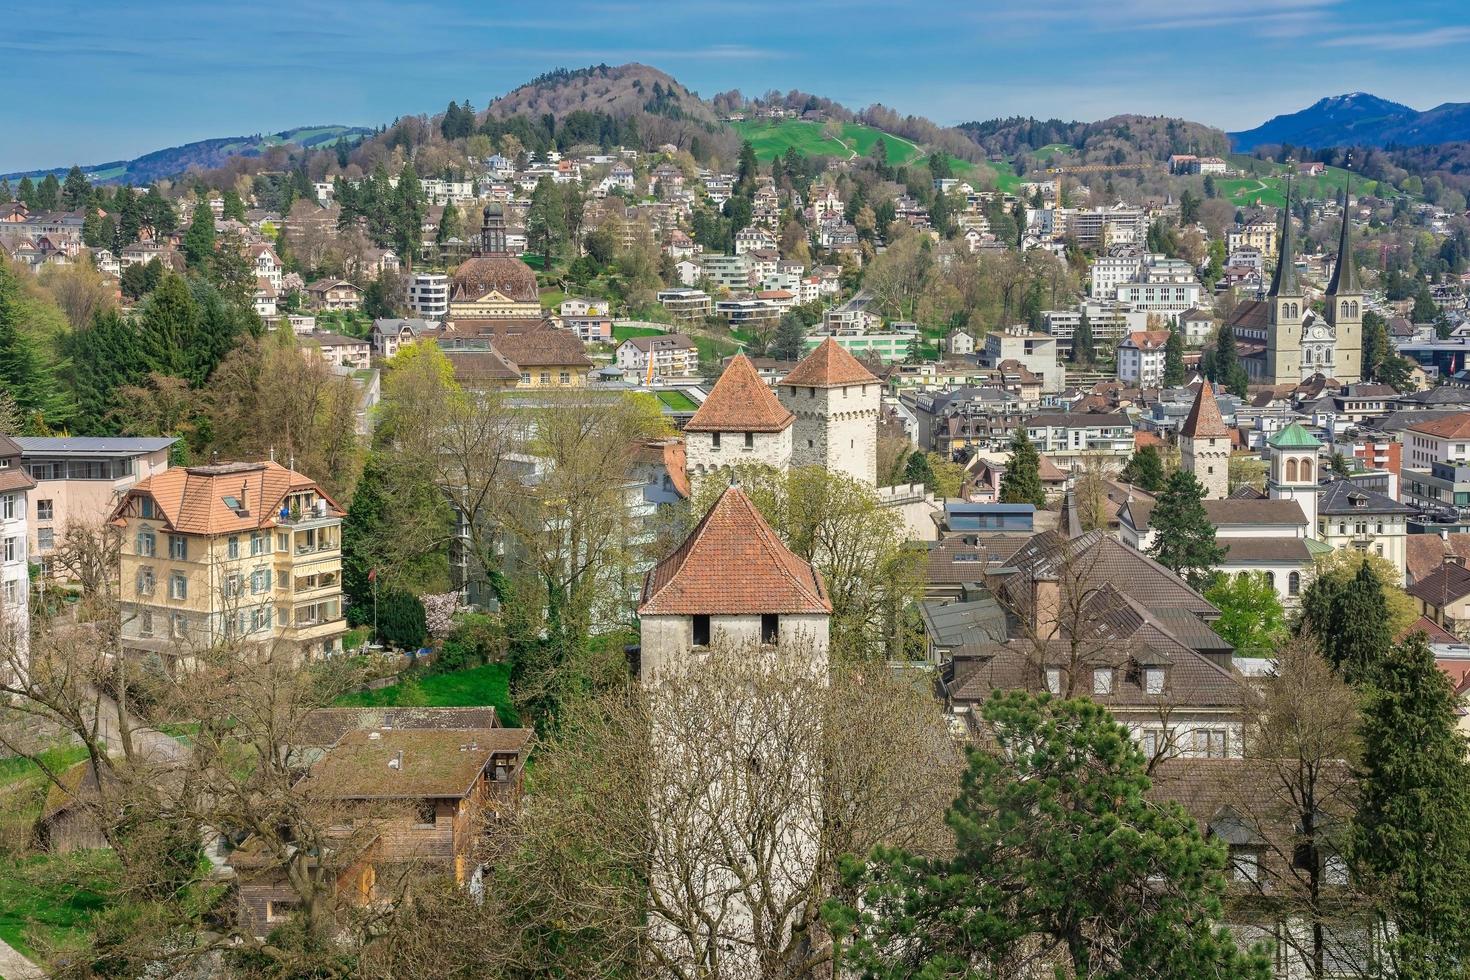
x: 103, y: 359
x: 25, y: 373
x: 1174, y: 359
x: 402, y: 622
x: 77, y: 190
x: 918, y: 469
x: 747, y: 171
x: 199, y: 239
x: 6, y: 193
x: 166, y: 327
x: 1184, y: 538
x: 1350, y: 622
x: 790, y: 337
x: 1226, y: 357
x: 48, y: 193
x: 449, y: 225
x: 157, y: 212
x: 1375, y: 343
x: 1411, y: 837
x: 409, y: 209
x: 941, y: 214
x: 1082, y: 342
x: 27, y: 192
x: 1145, y: 469
x: 1188, y: 208
x: 1021, y: 483
x: 1060, y: 860
x: 234, y: 207
x: 544, y: 228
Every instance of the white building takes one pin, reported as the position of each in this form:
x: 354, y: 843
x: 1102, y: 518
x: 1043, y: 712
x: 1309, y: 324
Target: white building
x: 835, y: 401
x: 1140, y: 358
x: 1036, y: 352
x: 670, y: 355
x: 428, y: 295
x: 15, y: 569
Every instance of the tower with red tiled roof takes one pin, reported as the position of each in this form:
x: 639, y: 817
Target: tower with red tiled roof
x: 741, y: 422
x: 1204, y: 444
x: 732, y: 584
x: 835, y: 400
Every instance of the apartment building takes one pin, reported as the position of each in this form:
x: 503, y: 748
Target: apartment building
x: 428, y: 295
x: 1036, y: 352
x: 1069, y: 438
x: 1436, y: 463
x: 225, y: 553
x: 1108, y: 320
x: 79, y: 481
x: 668, y: 355
x: 15, y: 486
x: 1141, y: 358
x: 686, y: 304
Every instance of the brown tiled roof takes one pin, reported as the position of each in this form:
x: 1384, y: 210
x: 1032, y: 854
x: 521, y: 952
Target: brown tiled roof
x: 471, y: 366
x: 1148, y: 339
x: 1204, y: 421
x: 191, y: 498
x: 1456, y: 426
x: 1253, y: 314
x: 14, y: 476
x: 962, y: 558
x: 829, y: 365
x: 478, y: 328
x: 732, y: 563
x: 1232, y: 510
x: 1266, y: 549
x: 503, y: 274
x: 543, y: 348
x: 436, y: 763
x: 1447, y: 583
x: 740, y: 402
x: 1432, y: 631
x: 1423, y: 553
x: 1099, y: 558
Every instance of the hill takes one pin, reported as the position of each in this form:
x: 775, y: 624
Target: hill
x: 205, y: 154
x: 1359, y: 119
x: 618, y: 91
x: 1114, y: 141
x: 771, y: 138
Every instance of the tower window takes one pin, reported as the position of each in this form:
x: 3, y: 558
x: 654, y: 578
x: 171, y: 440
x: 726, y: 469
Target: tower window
x: 770, y: 628
x: 750, y: 440
x: 701, y: 631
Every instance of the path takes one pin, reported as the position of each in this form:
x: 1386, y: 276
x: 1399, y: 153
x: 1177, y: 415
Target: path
x: 14, y: 966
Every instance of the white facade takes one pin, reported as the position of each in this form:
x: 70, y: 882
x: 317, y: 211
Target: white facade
x: 15, y: 573
x: 428, y: 295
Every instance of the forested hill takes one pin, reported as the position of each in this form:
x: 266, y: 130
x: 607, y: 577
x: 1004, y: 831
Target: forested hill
x: 1116, y: 140
x: 617, y: 91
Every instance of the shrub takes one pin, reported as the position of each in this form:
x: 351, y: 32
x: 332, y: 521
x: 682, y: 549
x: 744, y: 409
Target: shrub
x: 401, y: 619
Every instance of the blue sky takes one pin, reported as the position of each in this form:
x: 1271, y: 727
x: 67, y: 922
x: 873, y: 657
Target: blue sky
x: 89, y: 82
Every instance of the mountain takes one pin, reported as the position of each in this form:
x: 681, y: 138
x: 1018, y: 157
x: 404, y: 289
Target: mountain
x: 617, y: 91
x: 1360, y: 119
x: 204, y: 154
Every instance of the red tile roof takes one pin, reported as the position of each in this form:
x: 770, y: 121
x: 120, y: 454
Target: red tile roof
x: 1456, y: 426
x: 740, y: 402
x: 733, y: 564
x: 1204, y: 419
x: 829, y: 365
x: 191, y: 499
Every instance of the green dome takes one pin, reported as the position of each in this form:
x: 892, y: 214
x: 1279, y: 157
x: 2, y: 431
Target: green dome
x: 1294, y: 437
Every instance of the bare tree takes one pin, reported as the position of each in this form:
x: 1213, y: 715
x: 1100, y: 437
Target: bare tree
x: 88, y: 553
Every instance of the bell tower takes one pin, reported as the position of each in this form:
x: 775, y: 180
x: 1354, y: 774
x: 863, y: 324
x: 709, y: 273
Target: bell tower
x: 1294, y: 470
x: 1204, y: 444
x: 1345, y: 302
x: 1288, y: 303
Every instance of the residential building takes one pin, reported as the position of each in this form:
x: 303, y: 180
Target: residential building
x: 339, y: 350
x: 15, y: 571
x: 726, y: 271
x: 390, y: 334
x: 959, y: 343
x: 1436, y: 464
x: 835, y: 400
x: 334, y: 294
x: 742, y: 421
x: 1196, y: 326
x: 1140, y: 358
x: 592, y: 328
x: 1111, y: 271
x: 1109, y: 321
x: 1071, y: 438
x: 78, y: 481
x: 1353, y: 517
x: 670, y: 355
x: 686, y: 305
x: 889, y: 346
x: 428, y: 295
x: 748, y: 312
x: 859, y: 314
x: 1036, y: 352
x: 247, y: 552
x: 1259, y: 235
x: 1444, y: 596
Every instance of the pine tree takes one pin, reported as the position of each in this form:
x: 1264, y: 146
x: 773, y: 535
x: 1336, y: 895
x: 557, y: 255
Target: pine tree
x: 77, y: 190
x: 449, y: 225
x: 234, y: 207
x: 1226, y: 357
x: 1411, y: 837
x: 1021, y: 483
x: 26, y: 193
x: 1145, y: 469
x: 1174, y: 358
x: 1056, y: 844
x: 1184, y: 538
x: 409, y: 209
x: 25, y: 373
x: 48, y: 193
x: 1082, y: 342
x: 199, y: 239
x: 1350, y: 622
x: 789, y: 339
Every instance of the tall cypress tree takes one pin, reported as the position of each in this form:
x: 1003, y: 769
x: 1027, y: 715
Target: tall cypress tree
x: 1184, y: 538
x: 199, y: 239
x: 1174, y: 358
x: 1411, y: 839
x: 1021, y: 483
x: 1082, y: 342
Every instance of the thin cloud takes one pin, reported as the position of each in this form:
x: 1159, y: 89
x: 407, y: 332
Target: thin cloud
x: 1410, y: 40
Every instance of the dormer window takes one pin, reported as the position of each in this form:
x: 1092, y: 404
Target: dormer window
x: 1153, y: 680
x: 1102, y: 680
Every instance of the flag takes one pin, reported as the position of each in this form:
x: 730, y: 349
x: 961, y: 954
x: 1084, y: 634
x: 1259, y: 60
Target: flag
x: 372, y: 574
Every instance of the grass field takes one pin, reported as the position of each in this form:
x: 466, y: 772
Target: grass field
x: 711, y: 349
x: 677, y: 400
x: 772, y: 138
x: 621, y: 334
x: 1269, y: 185
x: 55, y: 896
x: 489, y: 684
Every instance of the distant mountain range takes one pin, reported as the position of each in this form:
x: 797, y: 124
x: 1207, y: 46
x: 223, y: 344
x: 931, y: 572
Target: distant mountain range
x: 1360, y: 119
x: 204, y: 154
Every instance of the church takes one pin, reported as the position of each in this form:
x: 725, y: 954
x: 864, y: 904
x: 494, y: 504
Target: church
x: 1292, y: 342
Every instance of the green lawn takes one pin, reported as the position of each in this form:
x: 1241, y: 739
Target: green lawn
x: 53, y: 896
x: 677, y: 400
x: 772, y: 138
x: 1269, y: 185
x: 621, y: 334
x: 15, y: 770
x: 712, y: 350
x: 477, y: 686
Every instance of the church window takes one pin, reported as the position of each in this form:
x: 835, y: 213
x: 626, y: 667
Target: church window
x: 1306, y: 469
x: 1291, y: 471
x: 1294, y: 583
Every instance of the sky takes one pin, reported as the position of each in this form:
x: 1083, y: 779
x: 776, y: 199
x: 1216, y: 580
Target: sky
x: 108, y: 79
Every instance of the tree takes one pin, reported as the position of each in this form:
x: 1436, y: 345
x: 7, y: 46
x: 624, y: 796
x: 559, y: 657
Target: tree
x: 1062, y: 866
x: 77, y: 190
x: 1226, y: 358
x: 408, y: 212
x: 596, y: 879
x: 401, y: 619
x: 1174, y: 359
x: 1375, y: 342
x: 545, y: 225
x: 1245, y: 470
x: 48, y: 193
x: 1082, y: 342
x: 449, y: 225
x: 79, y: 290
x: 1350, y: 619
x: 1145, y: 468
x: 1397, y: 372
x: 1021, y: 483
x: 234, y: 207
x: 25, y: 370
x: 1251, y: 615
x: 1411, y: 836
x: 26, y: 192
x: 790, y: 337
x: 1184, y: 538
x: 199, y: 239
x: 1188, y: 208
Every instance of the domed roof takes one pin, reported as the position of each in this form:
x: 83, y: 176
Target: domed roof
x: 503, y: 274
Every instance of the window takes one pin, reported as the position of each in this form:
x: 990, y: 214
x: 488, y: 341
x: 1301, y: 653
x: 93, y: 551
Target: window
x: 1153, y: 680
x: 10, y: 549
x: 714, y: 441
x: 1245, y: 865
x: 178, y: 586
x: 1211, y: 743
x: 749, y: 441
x: 1054, y: 680
x: 278, y: 909
x: 426, y: 813
x: 701, y: 631
x: 45, y: 510
x: 233, y: 586
x: 260, y: 542
x: 7, y: 507
x: 1102, y: 680
x: 260, y: 581
x: 11, y: 593
x: 178, y: 547
x: 145, y: 507
x: 232, y: 547
x: 770, y: 628
x: 179, y: 625
x: 525, y: 377
x: 45, y: 538
x: 565, y: 378
x: 283, y: 542
x: 1153, y: 742
x: 546, y: 377
x: 145, y: 581
x: 145, y: 622
x: 1335, y: 870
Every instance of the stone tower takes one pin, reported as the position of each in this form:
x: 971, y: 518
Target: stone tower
x: 1294, y: 469
x: 741, y: 422
x: 835, y: 400
x: 1345, y: 304
x: 1288, y: 303
x: 1204, y: 445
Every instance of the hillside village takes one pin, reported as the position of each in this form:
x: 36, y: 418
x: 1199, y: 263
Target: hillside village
x: 464, y: 546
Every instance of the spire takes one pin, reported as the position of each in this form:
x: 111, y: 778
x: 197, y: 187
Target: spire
x: 1204, y: 421
x: 1284, y: 282
x: 1345, y: 275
